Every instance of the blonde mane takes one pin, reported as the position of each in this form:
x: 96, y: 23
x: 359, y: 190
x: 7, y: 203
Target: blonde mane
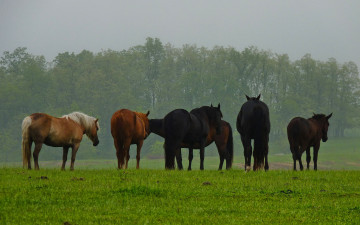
x: 82, y: 119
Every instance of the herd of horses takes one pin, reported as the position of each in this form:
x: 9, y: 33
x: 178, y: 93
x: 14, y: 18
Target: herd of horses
x: 181, y: 129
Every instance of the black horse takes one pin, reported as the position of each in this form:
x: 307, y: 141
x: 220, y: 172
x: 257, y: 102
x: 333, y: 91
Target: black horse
x: 223, y: 141
x: 191, y: 129
x: 253, y: 122
x: 305, y: 133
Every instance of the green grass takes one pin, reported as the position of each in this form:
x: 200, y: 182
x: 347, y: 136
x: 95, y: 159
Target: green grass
x: 109, y: 196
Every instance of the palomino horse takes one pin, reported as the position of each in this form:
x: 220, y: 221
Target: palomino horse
x: 128, y: 127
x: 65, y: 132
x: 182, y: 127
x: 223, y: 141
x: 305, y: 133
x: 253, y: 122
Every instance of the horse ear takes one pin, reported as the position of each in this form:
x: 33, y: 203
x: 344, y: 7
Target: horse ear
x: 328, y: 117
x: 211, y: 105
x: 247, y: 97
x: 96, y: 120
x: 148, y: 112
x: 258, y: 97
x: 218, y: 106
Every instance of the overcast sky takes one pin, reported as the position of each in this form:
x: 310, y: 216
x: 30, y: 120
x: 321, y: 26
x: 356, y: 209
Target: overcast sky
x: 323, y: 28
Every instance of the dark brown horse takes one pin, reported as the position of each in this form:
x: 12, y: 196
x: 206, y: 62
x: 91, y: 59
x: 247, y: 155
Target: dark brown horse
x: 65, y: 132
x: 253, y: 122
x: 223, y: 141
x: 305, y: 133
x: 128, y: 127
x: 182, y: 127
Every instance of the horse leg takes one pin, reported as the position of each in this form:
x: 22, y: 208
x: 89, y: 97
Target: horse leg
x: 247, y: 152
x: 294, y: 149
x: 222, y: 155
x: 266, y: 162
x: 75, y: 148
x: 138, y: 150
x: 36, y: 154
x: 127, y: 153
x: 28, y: 155
x: 119, y: 152
x: 191, y: 156
x: 65, y: 154
x: 308, y: 158
x: 202, y: 156
x: 266, y: 153
x: 316, y: 150
x: 300, y: 162
x: 294, y: 159
x: 222, y: 162
x: 178, y: 158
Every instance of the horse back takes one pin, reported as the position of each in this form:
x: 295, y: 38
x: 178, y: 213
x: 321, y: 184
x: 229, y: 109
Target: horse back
x: 300, y: 131
x: 252, y: 118
x: 177, y: 123
x: 54, y: 131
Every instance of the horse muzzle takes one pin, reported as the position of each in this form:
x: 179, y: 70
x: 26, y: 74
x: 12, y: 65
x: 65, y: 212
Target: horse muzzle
x: 96, y: 143
x: 324, y: 139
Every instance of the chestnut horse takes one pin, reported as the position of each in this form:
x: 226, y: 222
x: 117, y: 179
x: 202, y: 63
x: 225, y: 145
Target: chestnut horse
x: 253, y: 122
x: 128, y: 127
x: 65, y: 132
x: 305, y: 133
x: 182, y: 127
x: 223, y: 141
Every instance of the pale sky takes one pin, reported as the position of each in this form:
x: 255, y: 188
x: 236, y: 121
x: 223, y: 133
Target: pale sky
x: 322, y: 28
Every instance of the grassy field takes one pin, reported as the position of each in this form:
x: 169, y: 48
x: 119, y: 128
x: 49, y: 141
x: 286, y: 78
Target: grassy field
x: 109, y: 196
x: 97, y: 193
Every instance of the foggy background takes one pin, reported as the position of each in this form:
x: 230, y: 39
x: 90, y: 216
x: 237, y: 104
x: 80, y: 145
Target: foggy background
x: 323, y: 28
x: 302, y: 56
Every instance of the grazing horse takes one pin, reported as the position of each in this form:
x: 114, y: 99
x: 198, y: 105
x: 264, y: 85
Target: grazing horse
x: 253, y: 122
x: 305, y: 133
x: 65, y: 132
x: 191, y: 129
x: 128, y: 127
x: 223, y: 141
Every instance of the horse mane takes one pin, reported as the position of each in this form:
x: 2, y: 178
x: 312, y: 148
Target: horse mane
x: 82, y: 119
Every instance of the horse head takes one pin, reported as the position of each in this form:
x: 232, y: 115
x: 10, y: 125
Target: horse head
x: 92, y: 133
x: 324, y: 123
x: 145, y: 119
x: 253, y: 98
x: 216, y: 116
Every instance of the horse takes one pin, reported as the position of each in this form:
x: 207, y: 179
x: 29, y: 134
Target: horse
x: 305, y: 133
x: 66, y: 131
x: 191, y: 129
x: 253, y: 122
x: 223, y: 141
x: 128, y: 127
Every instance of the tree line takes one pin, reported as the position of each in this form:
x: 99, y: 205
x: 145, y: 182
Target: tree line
x: 160, y: 77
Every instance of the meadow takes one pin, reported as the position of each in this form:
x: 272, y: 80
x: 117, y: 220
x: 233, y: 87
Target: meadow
x: 147, y: 196
x: 97, y: 193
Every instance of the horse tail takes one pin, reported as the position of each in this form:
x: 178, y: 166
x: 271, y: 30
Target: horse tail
x: 230, y: 147
x: 26, y: 151
x: 259, y: 139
